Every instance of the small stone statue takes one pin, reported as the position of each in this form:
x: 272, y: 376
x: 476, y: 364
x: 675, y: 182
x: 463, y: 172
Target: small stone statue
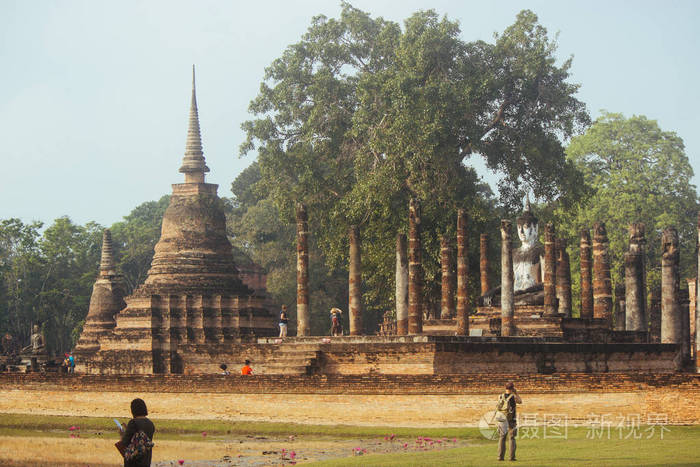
x: 38, y: 343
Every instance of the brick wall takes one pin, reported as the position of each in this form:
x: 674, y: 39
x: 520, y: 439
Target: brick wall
x: 359, y: 384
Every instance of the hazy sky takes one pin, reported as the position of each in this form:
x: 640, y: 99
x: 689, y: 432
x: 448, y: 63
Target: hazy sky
x: 95, y: 94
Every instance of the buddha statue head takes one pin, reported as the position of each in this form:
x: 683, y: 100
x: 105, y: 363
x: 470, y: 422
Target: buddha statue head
x: 527, y: 228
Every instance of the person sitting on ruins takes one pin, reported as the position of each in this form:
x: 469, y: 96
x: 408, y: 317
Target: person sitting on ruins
x: 247, y: 370
x: 224, y: 369
x: 528, y: 267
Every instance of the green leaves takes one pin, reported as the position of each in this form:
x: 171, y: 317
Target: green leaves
x: 636, y: 172
x: 362, y: 114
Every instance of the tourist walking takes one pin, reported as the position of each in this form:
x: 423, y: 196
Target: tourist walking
x: 247, y: 370
x: 283, y: 321
x: 336, y: 324
x: 136, y: 443
x: 506, y: 415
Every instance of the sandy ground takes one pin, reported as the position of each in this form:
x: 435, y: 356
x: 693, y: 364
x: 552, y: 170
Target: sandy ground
x: 362, y: 410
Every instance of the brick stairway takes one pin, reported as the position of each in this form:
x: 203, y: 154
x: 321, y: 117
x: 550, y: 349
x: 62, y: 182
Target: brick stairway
x: 293, y: 359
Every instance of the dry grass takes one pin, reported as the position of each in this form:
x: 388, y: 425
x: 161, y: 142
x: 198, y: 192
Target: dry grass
x: 53, y: 451
x: 420, y: 411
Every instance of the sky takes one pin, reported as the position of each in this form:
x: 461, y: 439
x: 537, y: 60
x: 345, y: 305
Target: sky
x: 94, y: 95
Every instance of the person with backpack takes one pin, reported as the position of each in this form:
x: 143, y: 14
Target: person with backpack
x: 136, y: 443
x: 506, y: 415
x: 71, y: 363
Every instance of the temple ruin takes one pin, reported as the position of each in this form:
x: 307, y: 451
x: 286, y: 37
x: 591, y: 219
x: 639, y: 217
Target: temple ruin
x: 194, y: 311
x: 192, y: 302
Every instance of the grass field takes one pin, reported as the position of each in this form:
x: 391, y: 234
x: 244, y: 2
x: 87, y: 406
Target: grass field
x: 679, y: 447
x: 47, y: 440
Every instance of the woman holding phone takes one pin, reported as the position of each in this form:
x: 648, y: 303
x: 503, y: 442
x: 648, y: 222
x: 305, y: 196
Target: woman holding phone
x: 137, y: 427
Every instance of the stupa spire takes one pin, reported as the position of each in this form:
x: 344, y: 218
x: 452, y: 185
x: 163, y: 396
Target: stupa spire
x: 193, y: 164
x: 107, y: 267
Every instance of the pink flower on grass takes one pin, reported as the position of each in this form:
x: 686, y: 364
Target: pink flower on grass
x: 292, y: 455
x: 73, y: 428
x: 181, y: 461
x: 204, y: 434
x: 405, y: 445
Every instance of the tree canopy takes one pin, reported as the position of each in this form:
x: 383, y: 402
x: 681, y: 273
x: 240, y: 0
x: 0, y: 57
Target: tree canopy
x: 636, y: 172
x: 361, y: 115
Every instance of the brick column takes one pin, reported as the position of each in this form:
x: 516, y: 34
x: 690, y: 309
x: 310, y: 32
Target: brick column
x: 447, y: 302
x: 636, y: 318
x: 415, y: 270
x: 655, y: 315
x: 484, y: 263
x: 586, y: 275
x: 462, y: 275
x: 671, y: 327
x: 303, y: 324
x: 507, y: 283
x: 355, y: 283
x: 684, y: 306
x: 563, y: 271
x: 550, y: 291
x: 602, y: 285
x: 620, y: 307
x: 401, y: 285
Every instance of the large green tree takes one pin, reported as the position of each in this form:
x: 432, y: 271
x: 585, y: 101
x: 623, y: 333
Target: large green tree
x: 259, y: 234
x: 636, y: 172
x: 361, y: 115
x: 20, y: 270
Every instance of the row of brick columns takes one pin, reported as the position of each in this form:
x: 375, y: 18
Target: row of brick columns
x: 669, y: 321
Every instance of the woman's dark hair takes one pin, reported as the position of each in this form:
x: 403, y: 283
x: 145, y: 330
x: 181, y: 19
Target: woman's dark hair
x: 510, y: 386
x: 138, y: 408
x: 223, y: 366
x: 247, y: 362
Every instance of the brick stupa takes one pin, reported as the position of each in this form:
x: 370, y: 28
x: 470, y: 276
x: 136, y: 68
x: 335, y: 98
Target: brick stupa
x: 193, y: 296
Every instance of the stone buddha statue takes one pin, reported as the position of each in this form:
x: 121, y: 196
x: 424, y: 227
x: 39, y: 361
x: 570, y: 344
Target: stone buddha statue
x: 528, y: 262
x: 38, y: 343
